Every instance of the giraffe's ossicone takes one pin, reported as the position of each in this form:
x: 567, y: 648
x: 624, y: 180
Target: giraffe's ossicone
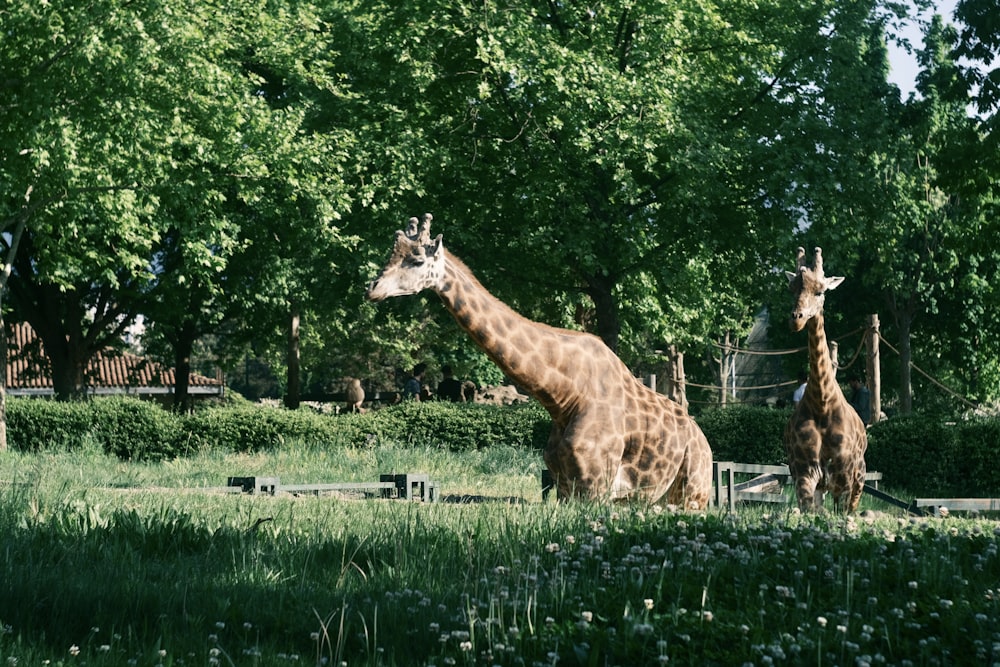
x: 612, y: 437
x: 825, y: 439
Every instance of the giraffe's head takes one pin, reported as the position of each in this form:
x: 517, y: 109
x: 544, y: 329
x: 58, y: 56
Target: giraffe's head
x: 416, y: 263
x: 809, y: 287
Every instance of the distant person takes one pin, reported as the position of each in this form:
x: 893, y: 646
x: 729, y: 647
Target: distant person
x: 413, y: 386
x: 450, y: 389
x: 861, y: 399
x: 801, y: 389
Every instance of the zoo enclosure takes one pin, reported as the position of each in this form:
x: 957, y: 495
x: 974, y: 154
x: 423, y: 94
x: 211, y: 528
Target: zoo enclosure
x: 675, y: 383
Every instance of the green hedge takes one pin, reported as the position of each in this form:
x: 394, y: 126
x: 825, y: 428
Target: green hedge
x: 250, y: 428
x: 466, y: 426
x: 745, y: 434
x: 125, y: 427
x: 934, y: 458
x: 134, y: 429
x: 39, y: 425
x: 919, y: 454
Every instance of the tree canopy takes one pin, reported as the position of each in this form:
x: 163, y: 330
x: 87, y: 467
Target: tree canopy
x: 641, y: 170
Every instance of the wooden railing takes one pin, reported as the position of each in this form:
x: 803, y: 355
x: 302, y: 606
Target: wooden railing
x: 767, y: 485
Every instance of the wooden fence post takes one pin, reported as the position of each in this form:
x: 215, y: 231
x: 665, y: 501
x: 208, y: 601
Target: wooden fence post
x: 872, y: 367
x: 675, y: 376
x: 727, y: 363
x: 670, y: 383
x: 678, y: 379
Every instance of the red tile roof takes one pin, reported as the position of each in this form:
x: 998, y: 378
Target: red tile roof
x: 28, y: 370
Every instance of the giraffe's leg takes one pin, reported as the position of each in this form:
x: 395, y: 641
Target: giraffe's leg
x: 819, y: 496
x: 857, y: 486
x: 807, y: 487
x: 556, y: 461
x: 692, y: 487
x: 841, y: 484
x: 678, y: 492
x: 846, y: 481
x: 586, y: 467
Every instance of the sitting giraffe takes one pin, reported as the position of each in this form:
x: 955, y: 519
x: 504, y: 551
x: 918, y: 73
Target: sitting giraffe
x: 825, y: 439
x: 612, y: 437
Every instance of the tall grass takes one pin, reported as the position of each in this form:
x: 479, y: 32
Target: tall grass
x: 107, y: 563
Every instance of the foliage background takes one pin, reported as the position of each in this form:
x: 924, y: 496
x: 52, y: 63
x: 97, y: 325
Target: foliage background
x: 640, y: 170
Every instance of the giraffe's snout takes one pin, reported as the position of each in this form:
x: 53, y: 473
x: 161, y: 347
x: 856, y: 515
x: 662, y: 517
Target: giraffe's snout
x: 797, y: 320
x: 371, y: 292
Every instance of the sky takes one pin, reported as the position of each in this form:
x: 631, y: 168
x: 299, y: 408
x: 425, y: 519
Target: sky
x: 903, y: 67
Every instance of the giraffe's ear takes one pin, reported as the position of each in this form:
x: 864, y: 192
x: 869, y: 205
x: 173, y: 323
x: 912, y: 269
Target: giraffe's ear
x: 436, y: 244
x: 790, y: 275
x: 833, y: 282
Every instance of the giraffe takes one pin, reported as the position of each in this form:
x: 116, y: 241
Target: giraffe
x: 825, y: 440
x: 612, y: 437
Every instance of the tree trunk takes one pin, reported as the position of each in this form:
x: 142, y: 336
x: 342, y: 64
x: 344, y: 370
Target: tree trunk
x: 293, y: 393
x: 3, y: 377
x: 15, y: 241
x: 182, y: 367
x: 67, y: 368
x: 675, y: 376
x: 873, y: 367
x: 905, y: 321
x: 727, y: 361
x: 601, y: 290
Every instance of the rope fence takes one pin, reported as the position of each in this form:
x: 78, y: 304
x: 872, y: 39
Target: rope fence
x: 934, y: 381
x: 733, y: 349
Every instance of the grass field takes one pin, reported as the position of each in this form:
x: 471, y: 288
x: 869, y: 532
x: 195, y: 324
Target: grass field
x: 111, y: 563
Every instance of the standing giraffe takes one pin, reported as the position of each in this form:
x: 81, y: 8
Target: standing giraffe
x: 825, y: 439
x: 612, y: 437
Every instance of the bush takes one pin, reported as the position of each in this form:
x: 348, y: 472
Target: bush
x: 453, y: 426
x: 134, y: 430
x: 463, y: 426
x: 746, y: 434
x: 123, y: 426
x: 925, y: 455
x: 919, y: 454
x: 974, y: 460
x: 252, y: 428
x: 35, y: 425
x: 911, y: 453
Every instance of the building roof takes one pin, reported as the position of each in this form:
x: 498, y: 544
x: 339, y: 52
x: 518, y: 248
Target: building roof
x: 109, y: 372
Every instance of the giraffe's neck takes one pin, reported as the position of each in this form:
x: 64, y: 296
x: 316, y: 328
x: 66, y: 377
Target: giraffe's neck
x: 512, y: 341
x: 822, y: 387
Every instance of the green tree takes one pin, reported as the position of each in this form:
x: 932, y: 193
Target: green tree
x: 78, y: 109
x: 980, y: 46
x: 262, y: 217
x: 978, y: 51
x: 180, y: 115
x: 619, y: 146
x: 337, y: 150
x: 903, y: 213
x: 634, y: 169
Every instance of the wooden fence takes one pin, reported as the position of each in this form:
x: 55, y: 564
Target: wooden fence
x: 768, y: 482
x: 766, y: 486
